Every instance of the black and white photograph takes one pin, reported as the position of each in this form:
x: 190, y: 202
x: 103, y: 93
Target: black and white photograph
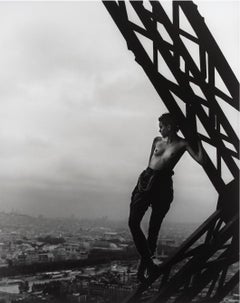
x: 119, y: 151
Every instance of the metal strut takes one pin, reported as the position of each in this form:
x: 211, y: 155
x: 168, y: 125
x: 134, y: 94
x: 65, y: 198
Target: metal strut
x: 189, y: 87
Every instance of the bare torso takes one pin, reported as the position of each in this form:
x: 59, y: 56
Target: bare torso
x: 166, y: 154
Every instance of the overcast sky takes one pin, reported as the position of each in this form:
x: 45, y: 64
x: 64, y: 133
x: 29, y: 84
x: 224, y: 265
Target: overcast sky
x: 78, y: 115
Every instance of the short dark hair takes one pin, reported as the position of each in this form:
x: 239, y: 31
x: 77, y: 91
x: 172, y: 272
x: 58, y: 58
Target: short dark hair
x: 169, y: 119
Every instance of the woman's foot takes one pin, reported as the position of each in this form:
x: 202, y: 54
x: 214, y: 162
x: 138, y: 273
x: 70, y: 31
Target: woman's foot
x: 141, y: 271
x: 153, y: 270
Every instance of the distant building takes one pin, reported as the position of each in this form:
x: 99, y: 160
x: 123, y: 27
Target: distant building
x: 100, y: 244
x: 113, y: 236
x: 45, y: 257
x: 3, y: 263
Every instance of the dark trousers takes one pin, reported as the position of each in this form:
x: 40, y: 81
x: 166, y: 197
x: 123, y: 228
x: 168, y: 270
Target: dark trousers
x: 154, y: 188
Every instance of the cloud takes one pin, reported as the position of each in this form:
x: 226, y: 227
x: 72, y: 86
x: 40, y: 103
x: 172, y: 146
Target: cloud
x: 77, y: 114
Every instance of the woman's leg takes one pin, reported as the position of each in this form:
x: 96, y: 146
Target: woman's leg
x: 138, y: 208
x: 160, y: 202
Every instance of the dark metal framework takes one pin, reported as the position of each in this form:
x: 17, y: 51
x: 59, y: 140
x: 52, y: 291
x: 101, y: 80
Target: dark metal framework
x: 189, y: 86
x: 199, y: 271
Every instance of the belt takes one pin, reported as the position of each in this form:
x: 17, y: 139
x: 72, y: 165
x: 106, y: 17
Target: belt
x: 162, y: 172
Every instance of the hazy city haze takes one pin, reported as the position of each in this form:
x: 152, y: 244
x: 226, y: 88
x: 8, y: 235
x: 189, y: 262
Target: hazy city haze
x: 78, y: 114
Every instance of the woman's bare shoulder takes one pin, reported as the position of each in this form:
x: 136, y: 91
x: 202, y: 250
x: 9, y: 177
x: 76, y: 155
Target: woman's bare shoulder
x: 183, y: 142
x: 156, y: 140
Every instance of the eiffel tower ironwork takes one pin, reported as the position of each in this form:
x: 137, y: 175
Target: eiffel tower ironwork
x: 190, y: 90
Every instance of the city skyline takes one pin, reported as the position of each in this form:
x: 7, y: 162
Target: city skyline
x: 78, y: 115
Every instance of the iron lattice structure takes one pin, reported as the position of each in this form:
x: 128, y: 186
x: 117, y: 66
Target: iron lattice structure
x: 194, y: 80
